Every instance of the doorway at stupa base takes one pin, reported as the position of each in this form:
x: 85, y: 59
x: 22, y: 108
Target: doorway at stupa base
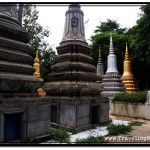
x: 79, y: 113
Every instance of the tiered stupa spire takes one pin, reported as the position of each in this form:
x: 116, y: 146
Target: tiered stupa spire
x: 16, y: 56
x: 37, y: 73
x: 127, y: 77
x: 100, y: 68
x: 112, y: 80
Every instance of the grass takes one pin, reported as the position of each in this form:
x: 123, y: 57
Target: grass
x: 135, y: 97
x: 119, y: 129
x: 60, y: 135
x: 91, y: 139
x: 135, y: 123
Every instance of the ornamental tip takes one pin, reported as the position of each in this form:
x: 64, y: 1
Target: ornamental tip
x: 75, y: 5
x: 127, y: 53
x: 111, y: 49
x: 36, y: 53
x: 100, y: 57
x: 110, y: 37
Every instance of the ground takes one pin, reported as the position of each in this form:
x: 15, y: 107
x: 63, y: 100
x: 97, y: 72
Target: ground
x: 140, y: 134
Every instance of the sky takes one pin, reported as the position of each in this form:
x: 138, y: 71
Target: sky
x: 54, y: 18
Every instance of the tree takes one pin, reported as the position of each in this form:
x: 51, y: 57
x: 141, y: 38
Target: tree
x: 36, y: 32
x: 37, y: 35
x: 109, y: 26
x: 140, y: 45
x: 47, y: 58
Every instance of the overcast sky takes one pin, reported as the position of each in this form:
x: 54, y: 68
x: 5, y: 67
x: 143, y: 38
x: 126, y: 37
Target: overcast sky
x: 54, y: 18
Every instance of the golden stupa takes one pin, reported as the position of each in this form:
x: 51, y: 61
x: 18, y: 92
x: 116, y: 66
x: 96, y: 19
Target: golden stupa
x: 127, y: 77
x: 37, y: 73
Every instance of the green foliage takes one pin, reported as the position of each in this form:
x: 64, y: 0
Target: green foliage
x: 140, y: 46
x: 108, y: 26
x: 135, y: 97
x: 60, y: 134
x: 36, y: 32
x: 37, y: 35
x: 47, y: 60
x: 135, y: 123
x: 91, y: 139
x: 118, y: 129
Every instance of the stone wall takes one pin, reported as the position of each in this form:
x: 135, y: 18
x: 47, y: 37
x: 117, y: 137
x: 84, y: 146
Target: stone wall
x: 131, y: 110
x: 35, y: 116
x: 127, y: 109
x: 38, y: 120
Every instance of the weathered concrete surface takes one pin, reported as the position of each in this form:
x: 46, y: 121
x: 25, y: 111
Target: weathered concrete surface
x: 35, y: 115
x: 83, y: 113
x: 68, y: 115
x: 127, y: 109
x: 16, y: 56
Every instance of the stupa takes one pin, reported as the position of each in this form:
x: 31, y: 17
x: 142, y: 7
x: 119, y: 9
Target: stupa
x: 127, y: 77
x: 23, y: 114
x: 100, y: 68
x: 37, y: 74
x: 76, y: 99
x: 112, y: 82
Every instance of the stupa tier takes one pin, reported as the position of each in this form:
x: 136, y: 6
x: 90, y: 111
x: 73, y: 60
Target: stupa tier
x: 112, y: 82
x: 73, y: 73
x: 16, y: 57
x: 127, y: 77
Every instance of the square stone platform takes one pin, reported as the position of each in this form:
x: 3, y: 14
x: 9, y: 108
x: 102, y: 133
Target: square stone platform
x: 79, y: 113
x: 24, y: 118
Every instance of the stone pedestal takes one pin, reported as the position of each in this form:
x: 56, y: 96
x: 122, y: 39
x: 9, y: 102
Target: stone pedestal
x: 147, y: 107
x: 30, y: 115
x: 79, y: 113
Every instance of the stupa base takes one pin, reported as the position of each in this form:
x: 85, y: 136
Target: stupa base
x: 24, y: 118
x: 79, y: 113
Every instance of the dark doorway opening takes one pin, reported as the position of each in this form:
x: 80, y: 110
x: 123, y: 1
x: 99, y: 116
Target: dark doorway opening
x: 12, y: 127
x: 94, y: 119
x: 54, y: 114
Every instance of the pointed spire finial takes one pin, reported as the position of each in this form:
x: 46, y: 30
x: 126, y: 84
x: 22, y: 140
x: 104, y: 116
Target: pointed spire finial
x: 37, y: 54
x: 127, y: 53
x: 100, y: 56
x: 111, y: 49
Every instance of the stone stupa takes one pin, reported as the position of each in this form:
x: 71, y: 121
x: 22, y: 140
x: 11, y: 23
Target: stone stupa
x: 112, y: 82
x: 76, y: 99
x: 127, y: 77
x: 23, y: 114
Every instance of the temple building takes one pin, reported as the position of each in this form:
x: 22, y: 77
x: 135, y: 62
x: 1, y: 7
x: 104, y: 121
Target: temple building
x: 76, y: 100
x: 112, y: 82
x: 127, y: 77
x: 37, y: 74
x: 23, y: 113
x: 100, y: 67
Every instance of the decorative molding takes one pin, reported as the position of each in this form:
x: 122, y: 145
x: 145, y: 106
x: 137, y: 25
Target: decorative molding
x: 14, y: 33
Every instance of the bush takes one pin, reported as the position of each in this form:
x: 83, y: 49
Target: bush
x: 135, y: 97
x: 135, y: 123
x: 118, y: 129
x: 60, y: 134
x: 91, y: 139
